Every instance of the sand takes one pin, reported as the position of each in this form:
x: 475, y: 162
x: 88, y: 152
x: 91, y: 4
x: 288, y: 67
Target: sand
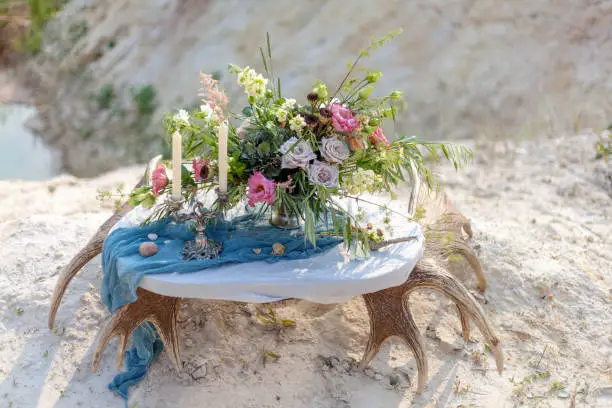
x: 541, y: 212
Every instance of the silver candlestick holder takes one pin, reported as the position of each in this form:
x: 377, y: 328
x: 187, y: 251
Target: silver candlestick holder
x: 201, y: 247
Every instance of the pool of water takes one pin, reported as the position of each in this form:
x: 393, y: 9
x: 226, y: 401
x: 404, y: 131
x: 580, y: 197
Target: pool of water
x: 23, y: 156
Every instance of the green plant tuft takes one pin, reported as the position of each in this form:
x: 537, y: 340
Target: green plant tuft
x: 145, y: 99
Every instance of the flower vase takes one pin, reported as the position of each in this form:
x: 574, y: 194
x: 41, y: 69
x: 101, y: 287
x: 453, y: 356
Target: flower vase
x: 282, y: 217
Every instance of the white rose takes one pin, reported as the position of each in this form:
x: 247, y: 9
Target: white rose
x: 323, y: 174
x: 334, y: 150
x: 298, y: 156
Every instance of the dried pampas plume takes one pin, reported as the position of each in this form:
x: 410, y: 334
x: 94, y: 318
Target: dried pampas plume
x: 212, y: 96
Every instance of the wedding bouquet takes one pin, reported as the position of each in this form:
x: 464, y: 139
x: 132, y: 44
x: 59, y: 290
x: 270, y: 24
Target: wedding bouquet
x: 299, y: 156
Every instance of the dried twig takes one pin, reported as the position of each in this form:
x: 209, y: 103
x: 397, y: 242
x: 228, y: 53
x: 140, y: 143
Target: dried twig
x: 541, y: 356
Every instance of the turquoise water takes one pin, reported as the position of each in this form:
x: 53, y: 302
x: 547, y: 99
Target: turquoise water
x: 22, y: 155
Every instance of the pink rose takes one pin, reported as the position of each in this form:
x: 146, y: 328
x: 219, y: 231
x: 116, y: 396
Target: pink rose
x: 261, y: 190
x: 201, y: 169
x: 377, y: 137
x: 343, y: 119
x: 159, y: 179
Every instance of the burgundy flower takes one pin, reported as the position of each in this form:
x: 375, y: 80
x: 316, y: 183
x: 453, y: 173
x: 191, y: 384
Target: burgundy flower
x: 261, y: 190
x: 325, y: 112
x: 201, y: 169
x: 159, y: 179
x: 343, y: 119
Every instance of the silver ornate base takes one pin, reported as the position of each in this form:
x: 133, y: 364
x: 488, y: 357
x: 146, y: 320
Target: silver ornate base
x: 193, y: 251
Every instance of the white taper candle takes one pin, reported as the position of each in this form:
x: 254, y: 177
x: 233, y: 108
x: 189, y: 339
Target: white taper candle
x: 177, y: 145
x: 222, y: 160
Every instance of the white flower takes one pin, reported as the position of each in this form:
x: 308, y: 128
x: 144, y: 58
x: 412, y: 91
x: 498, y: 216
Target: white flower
x: 207, y: 110
x: 323, y: 174
x: 289, y: 103
x: 360, y: 181
x: 181, y: 117
x: 296, y: 154
x: 256, y: 87
x: 254, y: 84
x: 334, y: 150
x: 211, y: 117
x: 297, y: 123
x: 281, y: 115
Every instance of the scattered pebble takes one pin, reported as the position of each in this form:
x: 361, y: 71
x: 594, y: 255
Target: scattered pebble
x: 563, y: 394
x: 147, y: 249
x: 278, y: 249
x: 152, y: 236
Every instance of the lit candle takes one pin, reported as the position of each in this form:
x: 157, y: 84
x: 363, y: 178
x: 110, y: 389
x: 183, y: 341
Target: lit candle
x: 222, y: 157
x: 177, y: 145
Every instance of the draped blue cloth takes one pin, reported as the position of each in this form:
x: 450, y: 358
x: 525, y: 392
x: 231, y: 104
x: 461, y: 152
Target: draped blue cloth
x: 123, y: 267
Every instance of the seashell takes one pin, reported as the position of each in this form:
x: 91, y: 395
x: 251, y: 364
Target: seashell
x: 278, y: 249
x: 152, y: 236
x: 147, y: 249
x: 257, y: 251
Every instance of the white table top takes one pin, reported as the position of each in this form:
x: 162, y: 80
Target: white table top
x: 330, y: 277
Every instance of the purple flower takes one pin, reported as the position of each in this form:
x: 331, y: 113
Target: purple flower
x: 334, y: 150
x: 296, y: 154
x: 323, y: 174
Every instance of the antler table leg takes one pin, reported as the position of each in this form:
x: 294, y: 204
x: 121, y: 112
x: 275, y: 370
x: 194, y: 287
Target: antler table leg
x: 427, y: 274
x: 93, y: 248
x: 390, y: 315
x: 159, y: 310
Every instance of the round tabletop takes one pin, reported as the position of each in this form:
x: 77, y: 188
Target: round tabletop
x: 330, y: 277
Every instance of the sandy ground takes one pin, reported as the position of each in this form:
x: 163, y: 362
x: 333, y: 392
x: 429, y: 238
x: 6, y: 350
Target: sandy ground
x: 542, y: 218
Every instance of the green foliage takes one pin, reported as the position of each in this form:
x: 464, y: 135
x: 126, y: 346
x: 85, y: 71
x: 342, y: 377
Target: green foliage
x: 78, y: 30
x: 273, y: 320
x: 603, y: 147
x: 523, y: 387
x: 106, y: 96
x: 145, y: 99
x: 39, y: 12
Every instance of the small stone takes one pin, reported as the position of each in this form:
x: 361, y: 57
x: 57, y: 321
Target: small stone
x: 278, y: 249
x: 563, y: 394
x: 257, y: 251
x: 152, y: 236
x: 147, y: 249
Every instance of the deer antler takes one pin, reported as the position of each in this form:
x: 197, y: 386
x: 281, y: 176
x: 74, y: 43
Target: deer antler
x: 93, y: 248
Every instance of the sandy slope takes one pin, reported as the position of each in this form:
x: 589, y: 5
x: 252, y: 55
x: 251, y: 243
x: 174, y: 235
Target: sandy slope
x: 542, y: 220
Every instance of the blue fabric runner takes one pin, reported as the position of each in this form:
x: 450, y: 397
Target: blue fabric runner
x: 123, y: 267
